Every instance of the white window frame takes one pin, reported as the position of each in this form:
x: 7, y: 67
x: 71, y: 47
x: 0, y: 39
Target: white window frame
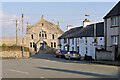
x: 114, y: 21
x: 114, y: 40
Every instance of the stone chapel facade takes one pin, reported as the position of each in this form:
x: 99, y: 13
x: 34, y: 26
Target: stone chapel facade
x: 42, y: 34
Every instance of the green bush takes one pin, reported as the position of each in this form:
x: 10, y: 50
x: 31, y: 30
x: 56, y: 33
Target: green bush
x: 4, y: 45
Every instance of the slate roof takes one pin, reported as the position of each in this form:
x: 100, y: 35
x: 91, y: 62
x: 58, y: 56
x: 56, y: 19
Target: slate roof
x: 88, y: 31
x: 70, y: 32
x: 114, y: 12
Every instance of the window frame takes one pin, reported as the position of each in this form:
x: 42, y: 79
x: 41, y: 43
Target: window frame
x: 115, y: 40
x: 114, y: 22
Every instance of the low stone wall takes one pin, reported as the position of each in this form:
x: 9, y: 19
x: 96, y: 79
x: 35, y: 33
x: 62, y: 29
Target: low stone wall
x: 105, y: 55
x: 14, y: 54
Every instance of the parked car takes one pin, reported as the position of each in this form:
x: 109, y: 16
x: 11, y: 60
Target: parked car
x: 72, y: 55
x: 61, y: 53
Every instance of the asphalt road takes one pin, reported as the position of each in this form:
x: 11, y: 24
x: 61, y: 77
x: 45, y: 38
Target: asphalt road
x: 47, y: 66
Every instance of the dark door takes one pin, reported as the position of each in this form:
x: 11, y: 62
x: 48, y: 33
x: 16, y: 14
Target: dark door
x: 116, y: 52
x: 41, y: 46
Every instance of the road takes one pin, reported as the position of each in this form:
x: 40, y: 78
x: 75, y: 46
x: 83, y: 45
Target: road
x: 47, y: 66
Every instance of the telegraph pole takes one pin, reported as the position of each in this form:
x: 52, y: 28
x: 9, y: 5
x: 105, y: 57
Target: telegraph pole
x: 16, y: 31
x: 22, y: 38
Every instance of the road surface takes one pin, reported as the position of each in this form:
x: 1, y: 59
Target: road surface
x: 47, y: 66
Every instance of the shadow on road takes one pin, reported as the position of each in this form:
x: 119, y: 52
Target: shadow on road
x: 76, y: 72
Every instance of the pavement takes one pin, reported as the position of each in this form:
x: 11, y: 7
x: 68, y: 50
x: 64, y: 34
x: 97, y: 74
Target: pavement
x: 48, y: 66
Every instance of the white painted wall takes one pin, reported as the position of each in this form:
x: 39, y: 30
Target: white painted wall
x: 82, y: 45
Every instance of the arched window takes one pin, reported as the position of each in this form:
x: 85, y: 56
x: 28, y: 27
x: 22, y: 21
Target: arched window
x: 32, y: 36
x: 42, y: 24
x: 30, y: 44
x: 45, y: 36
x: 40, y: 35
x: 55, y: 44
x: 52, y: 36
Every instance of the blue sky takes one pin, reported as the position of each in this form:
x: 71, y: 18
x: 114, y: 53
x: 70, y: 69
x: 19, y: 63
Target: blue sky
x: 67, y: 13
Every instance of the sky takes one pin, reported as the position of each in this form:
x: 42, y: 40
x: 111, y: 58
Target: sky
x: 67, y: 13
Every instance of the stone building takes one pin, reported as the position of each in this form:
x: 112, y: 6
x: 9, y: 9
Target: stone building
x: 42, y: 34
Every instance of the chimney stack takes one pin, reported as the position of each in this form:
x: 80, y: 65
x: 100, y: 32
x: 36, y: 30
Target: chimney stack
x: 69, y: 27
x: 86, y: 22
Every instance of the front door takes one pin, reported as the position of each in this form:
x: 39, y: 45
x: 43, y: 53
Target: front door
x: 41, y: 46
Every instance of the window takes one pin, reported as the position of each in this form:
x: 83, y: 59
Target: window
x: 52, y: 36
x: 65, y: 40
x: 72, y: 40
x: 45, y: 36
x: 55, y: 44
x: 40, y: 35
x: 42, y: 24
x: 32, y: 36
x: 114, y: 21
x: 114, y: 40
x: 30, y: 44
x: 51, y: 44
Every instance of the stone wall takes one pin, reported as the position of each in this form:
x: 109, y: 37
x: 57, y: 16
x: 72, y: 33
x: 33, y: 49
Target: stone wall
x: 14, y: 54
x: 105, y: 55
x: 12, y: 41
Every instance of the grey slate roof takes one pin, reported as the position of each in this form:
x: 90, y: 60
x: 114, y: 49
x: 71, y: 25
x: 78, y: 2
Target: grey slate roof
x: 85, y: 32
x: 89, y: 31
x: 70, y: 32
x: 114, y: 12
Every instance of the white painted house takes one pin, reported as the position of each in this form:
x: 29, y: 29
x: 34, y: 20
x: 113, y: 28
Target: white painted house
x: 81, y: 39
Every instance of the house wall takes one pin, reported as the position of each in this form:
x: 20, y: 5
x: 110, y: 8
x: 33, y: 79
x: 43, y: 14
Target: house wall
x: 62, y: 44
x: 84, y: 48
x: 71, y: 44
x: 119, y: 37
x: 89, y: 48
x: 110, y: 32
